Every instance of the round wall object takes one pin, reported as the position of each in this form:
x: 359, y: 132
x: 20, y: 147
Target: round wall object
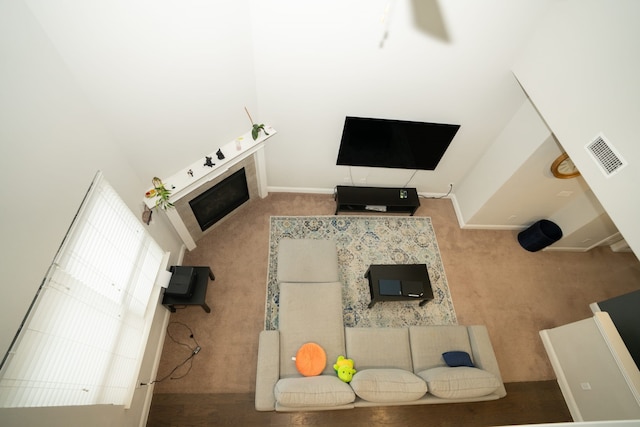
x: 563, y: 167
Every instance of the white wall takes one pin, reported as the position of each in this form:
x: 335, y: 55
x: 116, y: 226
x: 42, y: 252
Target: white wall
x: 516, y: 143
x: 52, y: 144
x: 585, y: 223
x: 531, y: 192
x: 581, y: 71
x: 168, y: 79
x: 512, y: 186
x: 317, y: 62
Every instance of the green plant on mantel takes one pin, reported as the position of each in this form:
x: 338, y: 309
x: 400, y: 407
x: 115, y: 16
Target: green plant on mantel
x: 161, y: 193
x: 256, y: 128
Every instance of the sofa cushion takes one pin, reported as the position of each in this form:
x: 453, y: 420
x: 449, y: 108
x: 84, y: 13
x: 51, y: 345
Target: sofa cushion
x: 429, y: 342
x: 460, y: 382
x: 310, y: 312
x: 379, y: 348
x: 323, y: 390
x: 307, y: 261
x: 388, y: 385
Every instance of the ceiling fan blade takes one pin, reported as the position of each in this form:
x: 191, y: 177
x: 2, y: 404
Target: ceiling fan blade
x: 428, y: 18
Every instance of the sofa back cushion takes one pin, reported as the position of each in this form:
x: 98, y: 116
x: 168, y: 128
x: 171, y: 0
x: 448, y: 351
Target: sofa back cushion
x: 378, y: 348
x: 429, y: 342
x: 310, y: 312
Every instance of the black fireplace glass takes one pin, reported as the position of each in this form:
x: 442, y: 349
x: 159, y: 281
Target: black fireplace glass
x: 220, y: 200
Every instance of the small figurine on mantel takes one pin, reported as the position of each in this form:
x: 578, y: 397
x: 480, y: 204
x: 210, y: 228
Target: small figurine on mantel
x: 209, y: 162
x: 190, y: 173
x: 219, y: 154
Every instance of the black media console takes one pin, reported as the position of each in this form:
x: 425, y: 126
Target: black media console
x: 376, y: 199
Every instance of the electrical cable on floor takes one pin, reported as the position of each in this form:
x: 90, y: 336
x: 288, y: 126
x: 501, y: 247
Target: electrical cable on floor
x: 440, y: 197
x: 178, y: 342
x: 194, y: 350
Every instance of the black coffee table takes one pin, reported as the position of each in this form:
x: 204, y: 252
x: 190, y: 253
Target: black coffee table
x: 399, y: 282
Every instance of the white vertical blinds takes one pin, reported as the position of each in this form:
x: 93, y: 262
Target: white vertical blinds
x: 83, y: 339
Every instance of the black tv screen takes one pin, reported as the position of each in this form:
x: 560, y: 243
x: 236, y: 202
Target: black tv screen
x: 394, y: 143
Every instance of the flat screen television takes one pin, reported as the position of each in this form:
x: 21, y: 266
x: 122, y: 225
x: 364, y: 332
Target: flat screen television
x: 394, y: 143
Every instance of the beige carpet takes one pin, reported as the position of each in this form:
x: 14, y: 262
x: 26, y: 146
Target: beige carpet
x: 492, y: 280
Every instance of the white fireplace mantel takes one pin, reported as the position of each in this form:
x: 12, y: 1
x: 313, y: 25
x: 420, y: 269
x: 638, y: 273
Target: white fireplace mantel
x: 197, y: 174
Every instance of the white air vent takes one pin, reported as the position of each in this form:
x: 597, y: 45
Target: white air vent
x: 606, y: 156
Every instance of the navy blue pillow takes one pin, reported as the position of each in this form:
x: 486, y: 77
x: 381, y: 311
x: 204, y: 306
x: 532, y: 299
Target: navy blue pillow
x: 457, y: 358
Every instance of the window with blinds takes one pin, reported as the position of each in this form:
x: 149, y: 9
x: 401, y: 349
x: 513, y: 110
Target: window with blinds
x: 84, y: 336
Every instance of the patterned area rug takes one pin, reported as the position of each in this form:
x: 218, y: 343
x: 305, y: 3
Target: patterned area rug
x: 361, y: 241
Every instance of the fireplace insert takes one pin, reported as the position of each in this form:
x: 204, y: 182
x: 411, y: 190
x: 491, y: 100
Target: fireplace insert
x: 220, y: 200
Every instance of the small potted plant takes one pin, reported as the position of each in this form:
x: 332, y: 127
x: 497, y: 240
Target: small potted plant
x: 256, y: 128
x: 161, y: 193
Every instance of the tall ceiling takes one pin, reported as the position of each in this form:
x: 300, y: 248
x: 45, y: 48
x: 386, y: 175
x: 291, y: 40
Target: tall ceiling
x: 170, y: 79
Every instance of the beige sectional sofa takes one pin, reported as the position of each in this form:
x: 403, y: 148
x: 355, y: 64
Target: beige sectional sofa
x: 395, y: 366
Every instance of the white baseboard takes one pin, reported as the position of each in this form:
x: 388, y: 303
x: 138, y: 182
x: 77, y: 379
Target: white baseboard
x: 463, y: 225
x: 308, y: 190
x: 620, y: 246
x: 498, y: 227
x: 301, y: 190
x: 565, y: 249
x: 456, y: 209
x: 435, y: 195
x: 312, y: 190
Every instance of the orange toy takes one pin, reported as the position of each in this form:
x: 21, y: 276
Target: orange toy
x: 311, y: 359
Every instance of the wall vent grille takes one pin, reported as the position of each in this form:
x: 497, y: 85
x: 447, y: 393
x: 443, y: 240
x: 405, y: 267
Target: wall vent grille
x: 606, y: 156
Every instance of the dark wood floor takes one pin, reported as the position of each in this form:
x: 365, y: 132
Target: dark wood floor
x: 525, y: 403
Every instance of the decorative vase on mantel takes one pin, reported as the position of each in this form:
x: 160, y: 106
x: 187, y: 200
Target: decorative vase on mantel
x: 161, y: 193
